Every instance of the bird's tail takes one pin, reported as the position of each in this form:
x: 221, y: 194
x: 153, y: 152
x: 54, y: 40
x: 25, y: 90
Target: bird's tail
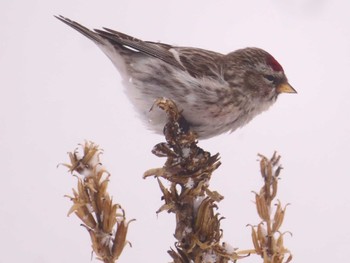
x: 115, y: 51
x: 83, y: 30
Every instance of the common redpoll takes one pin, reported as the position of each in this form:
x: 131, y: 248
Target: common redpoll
x: 217, y: 93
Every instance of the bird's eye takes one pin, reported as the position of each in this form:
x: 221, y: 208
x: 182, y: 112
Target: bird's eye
x: 270, y: 78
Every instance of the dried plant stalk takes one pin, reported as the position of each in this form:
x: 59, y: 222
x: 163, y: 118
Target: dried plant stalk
x: 188, y: 168
x: 104, y: 220
x: 266, y: 236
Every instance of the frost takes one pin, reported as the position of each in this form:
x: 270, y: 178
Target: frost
x: 186, y: 152
x: 85, y: 172
x: 209, y: 258
x: 188, y: 230
x: 228, y: 248
x: 190, y: 183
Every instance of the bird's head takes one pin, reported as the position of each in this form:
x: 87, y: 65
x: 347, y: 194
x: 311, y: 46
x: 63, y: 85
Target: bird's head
x: 257, y: 73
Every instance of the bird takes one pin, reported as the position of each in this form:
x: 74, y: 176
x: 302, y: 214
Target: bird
x: 216, y: 93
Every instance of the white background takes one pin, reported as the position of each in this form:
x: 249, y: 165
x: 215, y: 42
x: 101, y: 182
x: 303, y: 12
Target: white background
x: 58, y: 89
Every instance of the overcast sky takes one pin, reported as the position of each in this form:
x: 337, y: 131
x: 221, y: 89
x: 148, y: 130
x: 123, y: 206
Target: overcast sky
x: 58, y: 89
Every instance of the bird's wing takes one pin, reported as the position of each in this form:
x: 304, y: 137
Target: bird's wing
x: 197, y: 62
x: 156, y: 50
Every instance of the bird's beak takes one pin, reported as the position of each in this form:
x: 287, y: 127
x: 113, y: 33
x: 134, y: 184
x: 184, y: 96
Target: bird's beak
x: 285, y: 88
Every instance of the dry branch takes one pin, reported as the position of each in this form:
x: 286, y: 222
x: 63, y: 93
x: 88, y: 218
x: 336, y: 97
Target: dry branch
x: 188, y: 168
x: 104, y: 220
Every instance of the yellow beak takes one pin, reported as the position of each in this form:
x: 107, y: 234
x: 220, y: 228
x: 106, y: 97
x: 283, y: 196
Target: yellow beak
x: 285, y: 88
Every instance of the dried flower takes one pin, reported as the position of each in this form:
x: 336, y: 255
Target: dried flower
x: 266, y: 236
x: 188, y: 168
x: 104, y: 220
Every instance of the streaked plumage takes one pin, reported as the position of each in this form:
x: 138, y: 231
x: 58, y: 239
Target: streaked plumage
x: 217, y: 93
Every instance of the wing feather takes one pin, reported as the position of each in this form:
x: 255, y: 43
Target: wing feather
x: 197, y: 62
